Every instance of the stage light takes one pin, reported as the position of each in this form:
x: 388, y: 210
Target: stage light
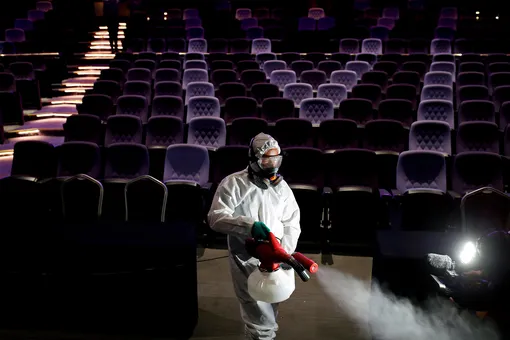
x: 468, y: 253
x: 477, y: 12
x: 497, y: 17
x: 477, y: 18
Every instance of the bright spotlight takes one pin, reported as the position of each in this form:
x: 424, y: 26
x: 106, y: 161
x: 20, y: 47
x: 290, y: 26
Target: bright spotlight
x: 468, y: 253
x: 165, y: 13
x: 477, y: 12
x: 148, y: 18
x: 477, y: 18
x: 497, y: 17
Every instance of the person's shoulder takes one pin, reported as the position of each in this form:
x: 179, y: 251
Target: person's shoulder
x: 284, y: 185
x: 284, y: 189
x: 236, y: 177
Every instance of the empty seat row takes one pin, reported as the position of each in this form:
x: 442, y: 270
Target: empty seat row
x: 330, y: 135
x: 419, y: 175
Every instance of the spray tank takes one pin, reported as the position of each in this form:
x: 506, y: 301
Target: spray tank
x: 271, y: 282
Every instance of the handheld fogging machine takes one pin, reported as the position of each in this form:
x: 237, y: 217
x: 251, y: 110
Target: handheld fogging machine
x: 271, y: 282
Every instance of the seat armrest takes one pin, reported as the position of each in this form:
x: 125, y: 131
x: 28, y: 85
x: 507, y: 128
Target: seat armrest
x: 455, y: 195
x: 115, y: 181
x: 207, y: 186
x: 395, y: 192
x: 25, y: 178
x: 303, y: 187
x: 386, y: 152
x: 424, y: 191
x: 357, y: 188
x: 385, y: 193
x: 327, y: 191
x: 177, y: 182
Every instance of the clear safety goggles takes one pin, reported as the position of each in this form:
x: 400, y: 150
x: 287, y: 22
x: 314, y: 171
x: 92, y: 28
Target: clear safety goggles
x: 270, y: 162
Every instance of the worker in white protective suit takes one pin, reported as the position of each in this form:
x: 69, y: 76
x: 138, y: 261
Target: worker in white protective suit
x: 252, y: 203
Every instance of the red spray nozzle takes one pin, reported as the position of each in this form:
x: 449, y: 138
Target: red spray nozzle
x: 271, y: 254
x: 308, y: 263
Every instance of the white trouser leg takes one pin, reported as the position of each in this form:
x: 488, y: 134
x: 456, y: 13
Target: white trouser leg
x: 259, y: 317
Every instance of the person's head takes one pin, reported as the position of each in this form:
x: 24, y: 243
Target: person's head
x: 264, y: 157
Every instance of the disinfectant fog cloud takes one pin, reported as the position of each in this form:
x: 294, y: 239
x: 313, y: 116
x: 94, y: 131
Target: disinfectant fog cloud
x: 393, y: 318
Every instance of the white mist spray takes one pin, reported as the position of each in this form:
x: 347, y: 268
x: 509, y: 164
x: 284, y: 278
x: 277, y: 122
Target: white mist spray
x: 393, y: 318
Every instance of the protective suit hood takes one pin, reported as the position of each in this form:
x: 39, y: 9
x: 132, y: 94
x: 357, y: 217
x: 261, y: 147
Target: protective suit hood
x: 263, y: 170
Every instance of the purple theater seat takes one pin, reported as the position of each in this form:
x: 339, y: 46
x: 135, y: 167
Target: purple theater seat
x: 76, y: 158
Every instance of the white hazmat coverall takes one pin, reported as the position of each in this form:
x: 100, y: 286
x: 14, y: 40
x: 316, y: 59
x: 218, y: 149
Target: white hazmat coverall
x: 237, y: 204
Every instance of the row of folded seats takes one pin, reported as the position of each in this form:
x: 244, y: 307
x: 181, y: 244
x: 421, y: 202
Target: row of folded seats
x: 317, y: 57
x: 81, y: 182
x: 258, y: 41
x: 277, y: 42
x: 268, y: 62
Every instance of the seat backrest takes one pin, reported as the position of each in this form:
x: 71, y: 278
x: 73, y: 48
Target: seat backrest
x: 430, y: 135
x: 478, y: 136
x: 297, y: 92
x: 164, y: 131
x: 210, y: 132
x: 421, y: 170
x: 199, y: 89
x: 126, y: 161
x: 187, y: 162
x: 438, y: 78
x: 334, y: 92
x: 281, y: 78
x: 201, y: 106
x: 316, y: 110
x: 123, y: 129
x: 76, y: 158
x: 437, y: 92
x: 468, y: 175
x: 441, y: 110
x: 133, y: 105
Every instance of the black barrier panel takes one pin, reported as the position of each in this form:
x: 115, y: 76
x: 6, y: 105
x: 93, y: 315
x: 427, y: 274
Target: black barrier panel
x: 120, y: 279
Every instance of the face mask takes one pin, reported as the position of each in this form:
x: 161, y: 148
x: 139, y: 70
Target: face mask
x: 264, y: 172
x: 270, y: 165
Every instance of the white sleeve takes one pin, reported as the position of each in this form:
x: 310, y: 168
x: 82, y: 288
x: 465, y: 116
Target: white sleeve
x: 221, y: 215
x: 290, y: 221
